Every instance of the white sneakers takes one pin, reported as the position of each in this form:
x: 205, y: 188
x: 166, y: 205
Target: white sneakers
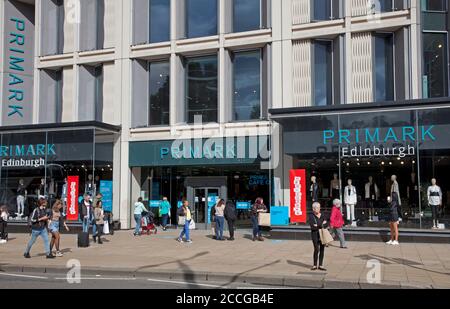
x: 3, y: 241
x: 393, y: 243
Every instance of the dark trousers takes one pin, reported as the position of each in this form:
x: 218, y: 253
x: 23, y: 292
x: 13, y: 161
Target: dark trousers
x: 3, y: 226
x: 256, y: 228
x: 99, y: 228
x: 434, y: 211
x: 231, y: 227
x: 319, y: 249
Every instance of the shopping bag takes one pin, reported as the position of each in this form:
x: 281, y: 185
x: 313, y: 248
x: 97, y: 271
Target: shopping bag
x: 213, y: 229
x: 325, y: 236
x: 192, y: 225
x: 181, y: 220
x: 264, y: 219
x: 106, y: 228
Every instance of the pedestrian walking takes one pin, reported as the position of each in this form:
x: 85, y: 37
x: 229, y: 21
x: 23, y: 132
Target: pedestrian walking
x: 54, y: 227
x: 139, y: 209
x: 164, y: 212
x: 38, y: 221
x: 3, y: 224
x: 230, y: 216
x: 337, y: 222
x: 87, y: 212
x: 257, y: 208
x: 99, y: 221
x: 394, y: 219
x: 184, y: 219
x: 317, y: 222
x: 219, y: 218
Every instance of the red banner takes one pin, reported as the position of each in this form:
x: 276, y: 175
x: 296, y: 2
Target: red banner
x: 298, y: 196
x: 72, y: 198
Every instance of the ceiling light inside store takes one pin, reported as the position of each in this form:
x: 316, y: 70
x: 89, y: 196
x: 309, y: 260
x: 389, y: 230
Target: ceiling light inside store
x: 368, y: 163
x: 382, y: 163
x: 440, y: 46
x: 402, y: 163
x: 390, y: 163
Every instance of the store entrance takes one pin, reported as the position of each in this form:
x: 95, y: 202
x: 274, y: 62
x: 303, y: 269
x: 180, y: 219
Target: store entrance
x: 202, y: 194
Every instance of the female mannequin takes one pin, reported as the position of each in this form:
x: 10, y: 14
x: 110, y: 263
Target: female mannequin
x: 350, y: 200
x: 434, y: 194
x: 314, y: 189
x: 371, y: 195
x: 335, y: 187
x: 21, y: 193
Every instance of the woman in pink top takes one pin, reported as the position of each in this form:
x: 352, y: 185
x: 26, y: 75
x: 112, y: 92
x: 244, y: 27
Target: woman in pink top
x: 337, y: 222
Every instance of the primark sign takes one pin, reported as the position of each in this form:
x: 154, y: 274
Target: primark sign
x: 379, y: 142
x: 22, y: 156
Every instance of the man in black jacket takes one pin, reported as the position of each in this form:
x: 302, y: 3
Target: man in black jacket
x: 39, y: 220
x: 230, y: 216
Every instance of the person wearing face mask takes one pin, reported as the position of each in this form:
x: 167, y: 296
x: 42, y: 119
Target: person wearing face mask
x: 434, y: 195
x: 350, y: 200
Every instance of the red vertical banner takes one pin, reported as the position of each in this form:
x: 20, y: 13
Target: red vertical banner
x: 298, y: 196
x: 72, y: 198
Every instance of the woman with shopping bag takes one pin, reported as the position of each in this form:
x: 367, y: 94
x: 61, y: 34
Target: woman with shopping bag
x: 255, y: 211
x: 320, y: 236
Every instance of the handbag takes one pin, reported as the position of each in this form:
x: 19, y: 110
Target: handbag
x: 181, y: 220
x: 325, y: 236
x: 192, y: 225
x: 264, y: 219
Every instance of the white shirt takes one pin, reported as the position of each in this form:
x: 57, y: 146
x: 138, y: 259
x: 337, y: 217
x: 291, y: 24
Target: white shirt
x: 350, y: 199
x: 434, y: 200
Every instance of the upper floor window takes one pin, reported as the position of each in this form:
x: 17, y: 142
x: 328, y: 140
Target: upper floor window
x: 201, y: 88
x: 383, y: 67
x: 159, y: 21
x: 52, y: 27
x: 247, y: 85
x: 435, y: 62
x: 325, y: 9
x: 323, y: 73
x: 90, y: 92
x: 50, y: 96
x: 434, y: 5
x: 159, y: 93
x: 247, y: 15
x: 92, y: 30
x: 201, y: 18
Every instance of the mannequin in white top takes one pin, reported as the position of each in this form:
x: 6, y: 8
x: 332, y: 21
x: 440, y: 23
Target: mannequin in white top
x: 434, y: 194
x: 350, y: 199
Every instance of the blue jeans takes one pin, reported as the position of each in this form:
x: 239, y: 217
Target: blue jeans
x: 34, y: 235
x: 86, y: 223
x: 185, y: 230
x: 256, y: 228
x: 137, y: 229
x: 220, y: 222
x: 164, y: 219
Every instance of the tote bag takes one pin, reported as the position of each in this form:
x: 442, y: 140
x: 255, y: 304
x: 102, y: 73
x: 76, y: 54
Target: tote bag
x: 325, y: 236
x: 264, y: 219
x: 181, y: 220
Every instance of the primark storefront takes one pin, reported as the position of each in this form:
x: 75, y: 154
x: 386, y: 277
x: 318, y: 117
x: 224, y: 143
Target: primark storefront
x: 367, y: 145
x: 42, y: 160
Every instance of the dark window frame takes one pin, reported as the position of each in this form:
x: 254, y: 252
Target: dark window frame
x: 383, y: 34
x: 149, y: 63
x: 186, y: 20
x: 313, y: 62
x: 149, y: 26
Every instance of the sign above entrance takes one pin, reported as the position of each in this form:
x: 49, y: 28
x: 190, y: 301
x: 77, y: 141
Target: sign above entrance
x: 213, y: 151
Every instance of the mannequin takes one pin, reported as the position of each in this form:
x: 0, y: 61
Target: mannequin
x: 434, y: 194
x: 314, y: 189
x: 41, y: 188
x: 52, y: 187
x: 89, y: 187
x: 21, y: 193
x: 371, y: 195
x: 395, y: 195
x: 335, y: 187
x: 97, y: 183
x: 413, y: 191
x: 350, y: 199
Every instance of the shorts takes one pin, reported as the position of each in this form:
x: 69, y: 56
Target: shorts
x: 394, y: 217
x: 54, y: 227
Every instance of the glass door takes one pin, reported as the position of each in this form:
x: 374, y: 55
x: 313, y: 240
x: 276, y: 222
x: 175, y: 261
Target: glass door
x: 204, y: 200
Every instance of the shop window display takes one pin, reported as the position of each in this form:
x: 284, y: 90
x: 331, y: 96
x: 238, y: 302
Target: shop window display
x: 368, y: 159
x: 38, y: 164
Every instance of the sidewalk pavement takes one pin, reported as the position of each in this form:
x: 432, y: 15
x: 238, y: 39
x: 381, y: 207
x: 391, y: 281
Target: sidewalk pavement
x: 272, y: 262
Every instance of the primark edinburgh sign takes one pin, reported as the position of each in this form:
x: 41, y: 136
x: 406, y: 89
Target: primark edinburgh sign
x: 379, y: 142
x: 25, y: 155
